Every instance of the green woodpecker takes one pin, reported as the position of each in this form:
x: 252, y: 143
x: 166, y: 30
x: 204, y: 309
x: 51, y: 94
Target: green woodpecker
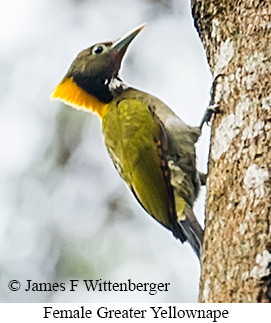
x: 152, y: 149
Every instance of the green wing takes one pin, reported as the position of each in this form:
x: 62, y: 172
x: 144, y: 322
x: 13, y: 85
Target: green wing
x: 137, y: 143
x: 133, y: 138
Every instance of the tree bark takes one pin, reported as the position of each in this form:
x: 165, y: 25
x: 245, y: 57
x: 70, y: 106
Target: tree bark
x: 236, y: 261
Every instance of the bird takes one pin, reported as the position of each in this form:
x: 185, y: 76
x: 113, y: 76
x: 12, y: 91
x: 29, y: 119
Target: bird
x: 151, y: 147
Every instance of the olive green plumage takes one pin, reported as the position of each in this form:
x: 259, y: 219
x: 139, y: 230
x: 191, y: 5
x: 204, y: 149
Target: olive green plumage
x: 153, y: 150
x: 131, y: 133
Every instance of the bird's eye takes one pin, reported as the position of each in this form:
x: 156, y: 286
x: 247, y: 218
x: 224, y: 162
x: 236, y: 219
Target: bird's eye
x: 98, y: 49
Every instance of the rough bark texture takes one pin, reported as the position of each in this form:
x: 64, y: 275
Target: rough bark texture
x: 236, y: 262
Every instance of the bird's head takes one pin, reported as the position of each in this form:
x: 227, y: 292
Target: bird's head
x: 94, y: 73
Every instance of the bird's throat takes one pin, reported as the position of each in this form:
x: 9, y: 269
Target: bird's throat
x: 72, y: 94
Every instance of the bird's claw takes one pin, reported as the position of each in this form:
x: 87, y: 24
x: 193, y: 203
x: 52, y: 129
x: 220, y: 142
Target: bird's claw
x: 210, y: 111
x: 213, y: 107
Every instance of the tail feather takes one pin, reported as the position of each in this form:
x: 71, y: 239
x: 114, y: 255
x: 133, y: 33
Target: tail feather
x: 193, y: 231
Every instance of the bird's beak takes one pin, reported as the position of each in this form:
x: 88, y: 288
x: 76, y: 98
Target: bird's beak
x: 121, y: 44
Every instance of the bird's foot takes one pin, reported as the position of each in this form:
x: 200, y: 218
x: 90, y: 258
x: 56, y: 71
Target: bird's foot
x: 214, y: 104
x: 203, y: 178
x: 209, y: 113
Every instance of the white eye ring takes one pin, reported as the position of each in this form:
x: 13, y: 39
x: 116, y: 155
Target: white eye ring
x: 98, y: 49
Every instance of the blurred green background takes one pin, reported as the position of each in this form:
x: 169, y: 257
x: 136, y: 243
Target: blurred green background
x: 64, y: 211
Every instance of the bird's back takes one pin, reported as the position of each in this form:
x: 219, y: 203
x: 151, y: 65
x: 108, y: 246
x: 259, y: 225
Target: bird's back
x: 153, y: 150
x: 179, y: 142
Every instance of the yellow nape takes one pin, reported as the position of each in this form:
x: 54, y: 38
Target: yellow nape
x: 70, y: 93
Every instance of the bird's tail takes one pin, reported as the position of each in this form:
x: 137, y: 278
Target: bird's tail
x: 192, y: 231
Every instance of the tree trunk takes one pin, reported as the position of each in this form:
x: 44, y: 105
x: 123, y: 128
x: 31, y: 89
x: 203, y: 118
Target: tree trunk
x: 236, y: 261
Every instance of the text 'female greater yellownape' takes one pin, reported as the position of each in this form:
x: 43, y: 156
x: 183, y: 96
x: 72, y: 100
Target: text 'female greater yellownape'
x: 152, y: 149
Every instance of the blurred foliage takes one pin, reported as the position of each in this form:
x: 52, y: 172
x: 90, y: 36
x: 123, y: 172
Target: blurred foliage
x: 68, y: 134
